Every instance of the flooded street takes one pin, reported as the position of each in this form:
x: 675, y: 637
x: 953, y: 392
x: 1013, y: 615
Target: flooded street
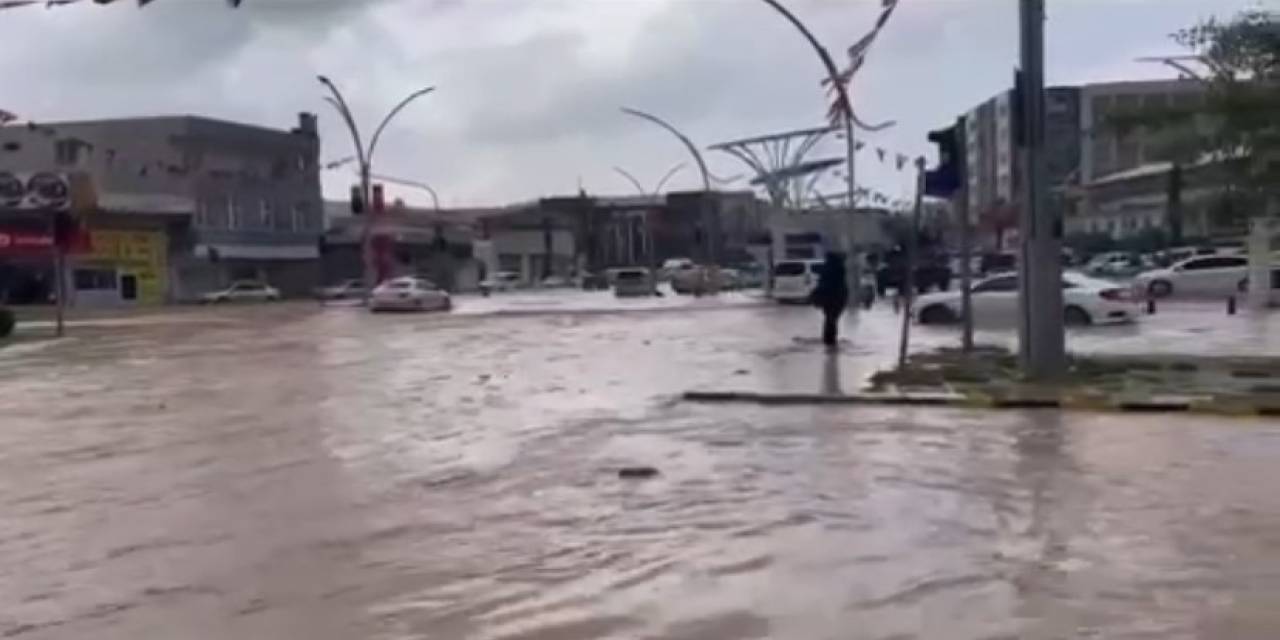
x: 302, y: 472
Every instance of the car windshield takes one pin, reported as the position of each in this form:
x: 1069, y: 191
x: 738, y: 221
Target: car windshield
x: 789, y: 269
x: 630, y: 276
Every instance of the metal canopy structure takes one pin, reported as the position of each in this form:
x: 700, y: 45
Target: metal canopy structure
x: 778, y: 161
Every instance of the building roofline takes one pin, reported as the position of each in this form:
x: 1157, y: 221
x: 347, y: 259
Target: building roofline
x: 183, y: 118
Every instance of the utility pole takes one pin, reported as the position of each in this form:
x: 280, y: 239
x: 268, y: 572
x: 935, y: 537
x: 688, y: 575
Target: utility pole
x: 1041, y: 338
x: 961, y: 202
x: 908, y: 290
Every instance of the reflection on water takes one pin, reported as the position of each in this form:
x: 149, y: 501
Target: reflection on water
x: 456, y: 478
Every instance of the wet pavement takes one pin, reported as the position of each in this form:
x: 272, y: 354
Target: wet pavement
x: 297, y: 471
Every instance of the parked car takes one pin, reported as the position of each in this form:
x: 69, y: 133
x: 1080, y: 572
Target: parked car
x: 1175, y: 255
x: 1116, y: 264
x: 993, y: 263
x: 697, y: 278
x: 673, y: 266
x: 633, y: 282
x: 794, y: 280
x: 501, y: 281
x: 243, y: 291
x: 409, y: 294
x: 751, y: 277
x: 555, y: 282
x: 1205, y: 275
x: 346, y: 290
x: 595, y: 281
x: 929, y: 274
x: 1085, y: 300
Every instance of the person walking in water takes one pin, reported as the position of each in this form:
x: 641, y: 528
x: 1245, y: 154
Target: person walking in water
x: 831, y: 296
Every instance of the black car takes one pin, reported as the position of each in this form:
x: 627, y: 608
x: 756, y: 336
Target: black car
x: 930, y: 273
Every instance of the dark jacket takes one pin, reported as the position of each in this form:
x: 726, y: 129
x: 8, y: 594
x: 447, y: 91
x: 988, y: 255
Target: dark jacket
x: 832, y: 291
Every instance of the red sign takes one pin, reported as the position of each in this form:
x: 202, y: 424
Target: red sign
x: 24, y: 242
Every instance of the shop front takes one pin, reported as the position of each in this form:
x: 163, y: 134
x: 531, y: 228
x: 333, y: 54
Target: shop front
x: 122, y: 267
x: 26, y: 263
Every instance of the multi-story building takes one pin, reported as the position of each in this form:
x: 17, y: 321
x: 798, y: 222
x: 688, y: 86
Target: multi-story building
x: 207, y: 201
x: 1084, y: 149
x: 995, y: 175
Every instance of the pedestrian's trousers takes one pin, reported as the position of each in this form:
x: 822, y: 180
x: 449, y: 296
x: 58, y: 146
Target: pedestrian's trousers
x: 831, y: 325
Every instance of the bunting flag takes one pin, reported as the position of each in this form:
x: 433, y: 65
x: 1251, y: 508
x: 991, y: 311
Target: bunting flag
x: 880, y: 152
x: 858, y: 52
x: 858, y: 145
x: 902, y: 161
x: 840, y: 109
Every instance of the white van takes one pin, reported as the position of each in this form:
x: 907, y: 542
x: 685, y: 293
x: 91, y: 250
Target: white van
x: 794, y: 280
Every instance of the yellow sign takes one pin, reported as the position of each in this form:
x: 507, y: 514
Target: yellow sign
x: 144, y: 255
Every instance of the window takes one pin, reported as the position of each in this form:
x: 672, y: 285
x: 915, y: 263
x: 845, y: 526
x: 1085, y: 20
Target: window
x: 997, y: 285
x: 786, y: 269
x: 1216, y: 262
x: 67, y: 152
x: 264, y: 214
x: 95, y: 279
x: 299, y: 216
x: 235, y: 214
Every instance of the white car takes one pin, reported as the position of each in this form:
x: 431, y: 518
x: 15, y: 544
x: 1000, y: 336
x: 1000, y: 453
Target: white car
x: 794, y: 280
x: 243, y: 291
x: 346, y: 290
x: 501, y: 281
x: 409, y: 294
x: 633, y: 283
x: 1085, y: 301
x: 1207, y: 275
x: 672, y: 266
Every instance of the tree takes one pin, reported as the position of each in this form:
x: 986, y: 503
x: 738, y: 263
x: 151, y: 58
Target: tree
x: 1235, y: 129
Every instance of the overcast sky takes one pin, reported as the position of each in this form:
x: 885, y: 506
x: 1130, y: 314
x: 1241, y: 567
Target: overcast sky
x: 529, y: 90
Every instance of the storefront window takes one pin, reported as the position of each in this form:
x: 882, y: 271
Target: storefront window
x: 95, y: 279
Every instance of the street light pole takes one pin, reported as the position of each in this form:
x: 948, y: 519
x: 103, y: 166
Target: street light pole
x: 1042, y: 342
x: 364, y: 156
x: 711, y: 228
x: 846, y: 107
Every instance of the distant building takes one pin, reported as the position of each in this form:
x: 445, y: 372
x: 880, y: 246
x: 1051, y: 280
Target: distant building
x: 1082, y: 148
x: 995, y: 175
x: 208, y: 201
x: 436, y: 245
x: 560, y: 236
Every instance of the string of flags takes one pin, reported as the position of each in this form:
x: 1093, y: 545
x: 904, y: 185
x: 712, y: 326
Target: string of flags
x: 857, y: 57
x: 13, y: 4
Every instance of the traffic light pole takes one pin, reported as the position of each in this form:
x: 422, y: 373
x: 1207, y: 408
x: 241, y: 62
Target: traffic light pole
x: 1041, y: 338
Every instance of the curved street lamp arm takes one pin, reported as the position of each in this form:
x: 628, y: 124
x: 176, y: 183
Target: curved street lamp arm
x: 377, y: 133
x: 833, y: 73
x: 435, y: 199
x: 340, y: 105
x: 727, y: 179
x: 670, y: 174
x: 632, y: 179
x: 693, y: 149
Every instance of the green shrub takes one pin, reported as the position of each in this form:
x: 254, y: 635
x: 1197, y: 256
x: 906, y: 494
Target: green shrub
x: 6, y: 322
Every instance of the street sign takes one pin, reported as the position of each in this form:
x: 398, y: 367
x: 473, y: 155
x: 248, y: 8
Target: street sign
x: 24, y: 242
x: 35, y: 191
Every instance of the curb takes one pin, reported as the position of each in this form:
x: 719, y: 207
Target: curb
x: 980, y: 400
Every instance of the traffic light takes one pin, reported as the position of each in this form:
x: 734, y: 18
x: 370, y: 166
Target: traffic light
x: 357, y: 200
x: 945, y: 180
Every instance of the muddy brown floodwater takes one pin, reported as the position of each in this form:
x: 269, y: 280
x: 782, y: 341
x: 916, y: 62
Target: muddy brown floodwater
x: 293, y: 472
